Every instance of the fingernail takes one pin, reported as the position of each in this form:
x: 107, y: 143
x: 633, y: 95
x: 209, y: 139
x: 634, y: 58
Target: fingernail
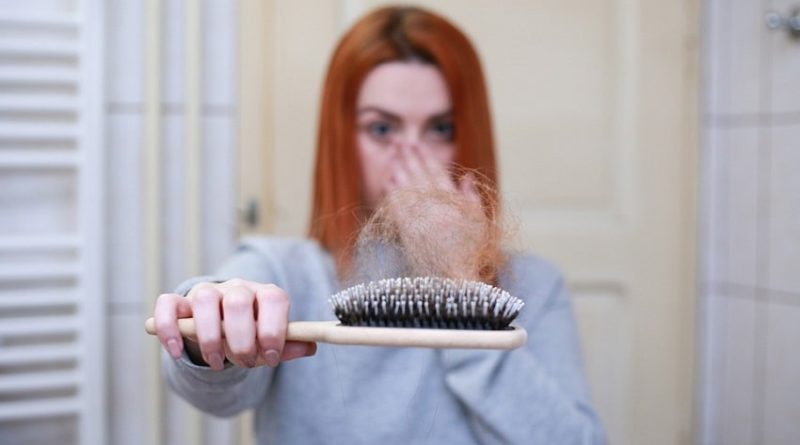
x: 215, y: 360
x: 174, y: 348
x: 272, y: 357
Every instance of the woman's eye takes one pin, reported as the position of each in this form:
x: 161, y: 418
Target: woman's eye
x: 380, y: 130
x: 443, y: 131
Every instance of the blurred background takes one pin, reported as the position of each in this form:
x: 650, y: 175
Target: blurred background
x: 650, y: 148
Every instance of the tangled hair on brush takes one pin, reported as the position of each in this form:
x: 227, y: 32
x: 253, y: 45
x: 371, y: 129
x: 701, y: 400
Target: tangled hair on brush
x: 432, y: 232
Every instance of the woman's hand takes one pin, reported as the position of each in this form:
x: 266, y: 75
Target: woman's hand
x: 417, y: 167
x: 254, y: 317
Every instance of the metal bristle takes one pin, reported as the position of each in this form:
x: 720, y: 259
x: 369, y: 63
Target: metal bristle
x: 426, y: 302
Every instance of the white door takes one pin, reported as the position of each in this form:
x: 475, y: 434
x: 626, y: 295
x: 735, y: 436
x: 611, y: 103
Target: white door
x: 594, y: 106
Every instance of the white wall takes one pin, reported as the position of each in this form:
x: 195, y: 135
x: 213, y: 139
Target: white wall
x: 751, y: 223
x: 141, y: 409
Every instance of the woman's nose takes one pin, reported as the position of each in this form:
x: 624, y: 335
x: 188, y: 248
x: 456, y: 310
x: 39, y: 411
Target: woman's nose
x: 408, y: 139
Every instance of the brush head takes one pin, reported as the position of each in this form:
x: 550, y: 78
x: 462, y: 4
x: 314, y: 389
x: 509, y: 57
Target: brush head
x: 426, y: 302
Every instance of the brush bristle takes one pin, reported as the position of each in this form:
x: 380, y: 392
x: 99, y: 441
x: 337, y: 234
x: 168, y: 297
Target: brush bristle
x: 426, y: 302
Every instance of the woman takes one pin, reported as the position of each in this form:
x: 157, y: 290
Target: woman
x: 404, y: 102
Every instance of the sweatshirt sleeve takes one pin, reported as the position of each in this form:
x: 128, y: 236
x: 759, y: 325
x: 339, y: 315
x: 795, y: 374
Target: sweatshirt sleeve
x: 534, y: 394
x: 234, y: 389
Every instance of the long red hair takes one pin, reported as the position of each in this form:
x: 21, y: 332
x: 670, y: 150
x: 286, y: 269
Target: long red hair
x: 384, y: 35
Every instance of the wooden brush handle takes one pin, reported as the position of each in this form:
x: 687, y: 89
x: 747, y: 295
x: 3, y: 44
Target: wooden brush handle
x: 333, y: 332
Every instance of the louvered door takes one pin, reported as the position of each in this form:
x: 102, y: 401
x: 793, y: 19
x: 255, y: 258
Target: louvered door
x: 51, y: 324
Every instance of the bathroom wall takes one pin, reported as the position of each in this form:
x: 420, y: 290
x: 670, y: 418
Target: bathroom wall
x: 750, y: 286
x: 162, y: 128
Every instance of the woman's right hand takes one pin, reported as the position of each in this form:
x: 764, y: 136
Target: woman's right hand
x: 253, y: 316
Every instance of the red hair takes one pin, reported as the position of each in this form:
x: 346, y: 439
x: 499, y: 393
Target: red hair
x: 385, y: 35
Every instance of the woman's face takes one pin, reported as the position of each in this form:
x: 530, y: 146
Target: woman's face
x: 401, y: 106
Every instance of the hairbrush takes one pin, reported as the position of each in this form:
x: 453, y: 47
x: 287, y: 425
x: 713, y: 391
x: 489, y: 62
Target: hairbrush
x: 425, y: 312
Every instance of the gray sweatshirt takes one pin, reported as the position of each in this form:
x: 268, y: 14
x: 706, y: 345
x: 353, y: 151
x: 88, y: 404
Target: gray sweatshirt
x: 536, y: 394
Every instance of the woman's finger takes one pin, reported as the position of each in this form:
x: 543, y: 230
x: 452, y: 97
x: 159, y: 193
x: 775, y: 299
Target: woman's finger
x: 390, y: 185
x: 298, y: 349
x: 239, y: 282
x: 240, y: 324
x: 429, y: 162
x: 409, y: 170
x: 416, y: 169
x: 469, y: 189
x: 291, y: 350
x: 205, y: 300
x: 273, y: 316
x: 437, y: 172
x: 169, y: 308
x: 400, y: 176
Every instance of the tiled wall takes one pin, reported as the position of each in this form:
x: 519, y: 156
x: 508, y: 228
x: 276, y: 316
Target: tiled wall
x: 750, y: 351
x: 125, y: 63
